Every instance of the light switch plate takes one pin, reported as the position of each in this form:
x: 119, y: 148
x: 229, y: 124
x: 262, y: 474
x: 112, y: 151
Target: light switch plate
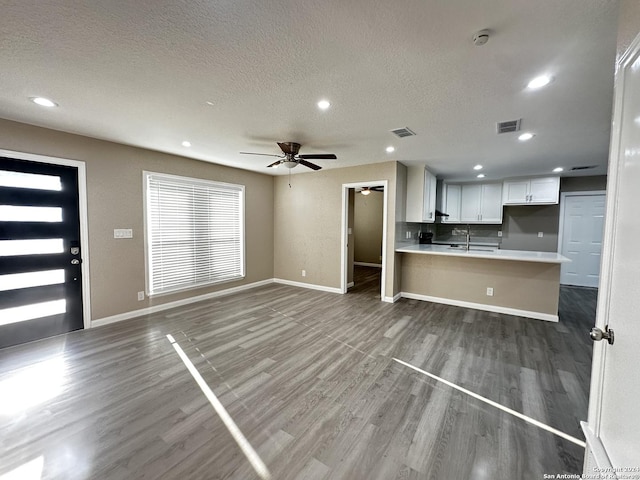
x: 540, y: 234
x: 122, y: 233
x: 499, y: 233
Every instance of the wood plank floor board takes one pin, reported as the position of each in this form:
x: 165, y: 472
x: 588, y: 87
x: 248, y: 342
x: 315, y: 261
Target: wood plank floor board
x: 309, y: 379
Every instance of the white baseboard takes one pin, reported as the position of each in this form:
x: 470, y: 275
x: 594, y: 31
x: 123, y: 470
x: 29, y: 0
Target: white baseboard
x: 481, y: 306
x: 365, y: 264
x: 393, y: 299
x: 178, y: 303
x: 350, y: 284
x: 307, y: 285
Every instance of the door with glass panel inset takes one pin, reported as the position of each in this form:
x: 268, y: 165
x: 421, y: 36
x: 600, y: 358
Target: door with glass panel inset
x: 40, y: 251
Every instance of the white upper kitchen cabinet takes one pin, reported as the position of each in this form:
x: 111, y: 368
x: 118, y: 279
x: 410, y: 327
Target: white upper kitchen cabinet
x: 481, y: 203
x: 473, y: 203
x: 451, y: 196
x: 421, y: 195
x: 531, y: 191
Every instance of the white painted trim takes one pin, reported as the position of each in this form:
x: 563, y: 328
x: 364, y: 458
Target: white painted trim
x: 594, y: 444
x: 393, y: 299
x: 596, y: 391
x: 343, y: 234
x: 563, y: 197
x: 365, y: 264
x: 177, y: 303
x: 481, y: 306
x: 310, y: 286
x: 83, y: 213
x: 349, y: 285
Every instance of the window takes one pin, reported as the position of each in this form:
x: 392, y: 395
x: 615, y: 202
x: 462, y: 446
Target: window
x: 194, y: 232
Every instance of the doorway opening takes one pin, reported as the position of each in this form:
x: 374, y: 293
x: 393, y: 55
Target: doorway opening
x: 364, y: 232
x: 44, y: 286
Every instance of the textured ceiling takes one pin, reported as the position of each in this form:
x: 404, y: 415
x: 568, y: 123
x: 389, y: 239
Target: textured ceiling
x: 141, y: 72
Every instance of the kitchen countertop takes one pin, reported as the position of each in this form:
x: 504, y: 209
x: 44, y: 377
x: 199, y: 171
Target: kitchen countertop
x: 496, y: 254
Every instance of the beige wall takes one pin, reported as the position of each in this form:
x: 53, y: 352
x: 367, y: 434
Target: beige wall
x: 628, y: 23
x: 114, y: 189
x: 367, y: 227
x: 401, y: 225
x: 529, y: 286
x: 308, y: 220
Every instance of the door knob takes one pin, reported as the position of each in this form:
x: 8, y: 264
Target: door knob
x: 596, y: 335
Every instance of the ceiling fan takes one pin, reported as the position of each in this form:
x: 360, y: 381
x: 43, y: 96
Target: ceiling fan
x: 367, y: 190
x: 291, y: 159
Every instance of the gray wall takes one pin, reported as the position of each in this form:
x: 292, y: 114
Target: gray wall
x: 521, y: 224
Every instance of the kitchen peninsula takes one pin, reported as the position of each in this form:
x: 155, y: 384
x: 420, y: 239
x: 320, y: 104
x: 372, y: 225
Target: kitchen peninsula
x: 514, y: 282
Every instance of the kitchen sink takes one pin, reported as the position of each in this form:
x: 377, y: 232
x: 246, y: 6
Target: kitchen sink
x: 473, y: 249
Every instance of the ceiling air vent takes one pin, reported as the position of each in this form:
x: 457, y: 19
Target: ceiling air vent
x: 509, y: 126
x: 573, y: 169
x: 403, y: 132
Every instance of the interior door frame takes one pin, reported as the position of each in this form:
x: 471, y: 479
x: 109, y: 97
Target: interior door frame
x: 593, y: 425
x: 563, y: 197
x: 83, y: 213
x: 344, y: 236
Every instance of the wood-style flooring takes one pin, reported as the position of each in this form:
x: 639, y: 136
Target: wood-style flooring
x: 310, y: 380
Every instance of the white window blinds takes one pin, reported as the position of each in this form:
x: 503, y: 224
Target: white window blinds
x: 195, y: 232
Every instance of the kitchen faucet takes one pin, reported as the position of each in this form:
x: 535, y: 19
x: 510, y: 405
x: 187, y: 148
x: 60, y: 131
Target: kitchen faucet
x: 468, y: 236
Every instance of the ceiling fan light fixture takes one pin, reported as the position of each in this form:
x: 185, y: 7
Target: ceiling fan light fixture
x: 289, y: 164
x: 365, y: 191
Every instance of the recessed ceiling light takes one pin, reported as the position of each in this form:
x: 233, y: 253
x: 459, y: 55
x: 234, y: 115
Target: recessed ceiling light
x: 558, y: 169
x: 539, y: 82
x: 211, y: 104
x: 481, y: 175
x: 478, y: 167
x: 323, y: 104
x: 391, y: 149
x: 525, y: 136
x: 186, y: 143
x: 43, y: 102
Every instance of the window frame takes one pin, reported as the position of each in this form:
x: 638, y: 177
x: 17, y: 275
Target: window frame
x: 147, y: 230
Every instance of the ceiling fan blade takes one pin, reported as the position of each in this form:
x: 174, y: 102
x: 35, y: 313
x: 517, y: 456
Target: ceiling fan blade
x: 309, y: 164
x: 289, y: 148
x: 263, y: 154
x: 275, y: 164
x: 319, y: 156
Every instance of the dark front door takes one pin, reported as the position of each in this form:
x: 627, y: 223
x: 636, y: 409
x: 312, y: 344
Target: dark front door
x: 40, y: 251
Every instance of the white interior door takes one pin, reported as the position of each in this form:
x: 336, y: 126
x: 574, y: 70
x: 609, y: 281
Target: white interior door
x: 613, y: 429
x: 581, y: 238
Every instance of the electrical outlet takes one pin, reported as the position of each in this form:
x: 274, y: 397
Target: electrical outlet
x: 540, y: 234
x: 489, y: 292
x: 408, y: 234
x: 140, y: 296
x: 122, y: 233
x: 304, y: 273
x: 499, y: 233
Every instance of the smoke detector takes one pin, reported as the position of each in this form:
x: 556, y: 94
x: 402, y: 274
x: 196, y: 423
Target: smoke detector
x: 481, y: 37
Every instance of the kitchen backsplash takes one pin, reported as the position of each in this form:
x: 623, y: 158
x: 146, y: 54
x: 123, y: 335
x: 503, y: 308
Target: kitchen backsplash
x: 449, y: 232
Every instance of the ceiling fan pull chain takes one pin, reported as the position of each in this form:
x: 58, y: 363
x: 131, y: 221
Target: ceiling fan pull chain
x: 289, y: 178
